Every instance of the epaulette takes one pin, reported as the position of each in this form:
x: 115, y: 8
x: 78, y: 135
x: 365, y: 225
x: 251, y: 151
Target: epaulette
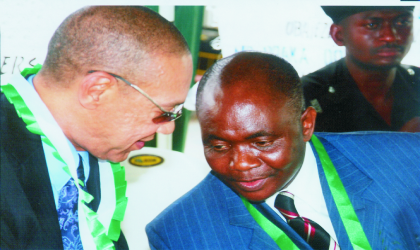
x: 413, y: 73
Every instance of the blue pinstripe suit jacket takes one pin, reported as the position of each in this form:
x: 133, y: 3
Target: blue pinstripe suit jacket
x: 381, y: 174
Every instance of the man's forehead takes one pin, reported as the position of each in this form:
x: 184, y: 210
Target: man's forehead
x: 238, y: 99
x: 212, y: 91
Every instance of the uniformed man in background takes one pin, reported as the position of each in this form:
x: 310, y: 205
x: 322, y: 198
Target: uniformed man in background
x: 368, y: 89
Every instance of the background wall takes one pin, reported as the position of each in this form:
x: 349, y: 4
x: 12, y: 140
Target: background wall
x: 297, y: 31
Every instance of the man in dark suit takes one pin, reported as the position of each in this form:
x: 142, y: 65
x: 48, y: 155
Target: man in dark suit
x: 275, y: 185
x: 65, y: 125
x: 369, y: 89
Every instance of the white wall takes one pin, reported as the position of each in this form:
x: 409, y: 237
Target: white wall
x: 297, y: 31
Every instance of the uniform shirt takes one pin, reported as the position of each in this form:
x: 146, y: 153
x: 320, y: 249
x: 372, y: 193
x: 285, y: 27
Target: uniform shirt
x: 309, y: 200
x: 341, y: 107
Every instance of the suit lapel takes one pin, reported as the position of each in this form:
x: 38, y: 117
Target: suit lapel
x: 355, y: 181
x: 32, y: 176
x: 240, y: 217
x: 39, y: 192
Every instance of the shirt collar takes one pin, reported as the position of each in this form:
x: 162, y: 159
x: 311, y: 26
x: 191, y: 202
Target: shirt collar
x: 55, y: 168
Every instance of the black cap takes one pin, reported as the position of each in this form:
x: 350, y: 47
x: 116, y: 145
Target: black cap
x: 338, y: 13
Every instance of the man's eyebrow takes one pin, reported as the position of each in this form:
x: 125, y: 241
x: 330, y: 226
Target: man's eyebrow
x: 373, y: 18
x: 213, y: 137
x: 258, y: 134
x: 405, y: 15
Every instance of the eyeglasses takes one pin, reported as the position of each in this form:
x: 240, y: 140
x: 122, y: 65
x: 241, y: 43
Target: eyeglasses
x: 167, y: 116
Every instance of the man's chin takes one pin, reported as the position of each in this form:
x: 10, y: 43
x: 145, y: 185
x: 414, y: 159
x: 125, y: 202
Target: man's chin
x: 382, y: 65
x: 118, y: 160
x: 389, y: 64
x: 378, y: 64
x: 254, y: 197
x: 122, y: 156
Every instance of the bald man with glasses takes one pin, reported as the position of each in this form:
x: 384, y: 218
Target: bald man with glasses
x: 65, y: 125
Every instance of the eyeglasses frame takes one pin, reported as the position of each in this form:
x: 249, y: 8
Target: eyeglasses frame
x: 177, y: 113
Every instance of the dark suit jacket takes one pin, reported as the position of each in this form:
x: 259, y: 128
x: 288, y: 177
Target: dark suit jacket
x: 381, y: 174
x: 28, y: 214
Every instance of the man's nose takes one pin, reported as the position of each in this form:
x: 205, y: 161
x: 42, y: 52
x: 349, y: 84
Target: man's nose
x: 388, y: 33
x: 244, y: 159
x: 166, y: 128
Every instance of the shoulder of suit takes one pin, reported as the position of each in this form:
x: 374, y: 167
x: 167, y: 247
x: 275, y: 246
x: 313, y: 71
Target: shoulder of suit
x: 13, y: 129
x: 371, y: 137
x: 192, y: 197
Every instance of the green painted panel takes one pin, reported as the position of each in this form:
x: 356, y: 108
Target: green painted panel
x: 189, y: 21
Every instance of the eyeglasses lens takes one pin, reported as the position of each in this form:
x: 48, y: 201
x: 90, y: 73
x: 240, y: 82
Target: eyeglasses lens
x: 167, y: 117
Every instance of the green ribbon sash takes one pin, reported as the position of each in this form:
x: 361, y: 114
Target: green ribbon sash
x: 348, y: 216
x: 351, y: 223
x: 281, y: 239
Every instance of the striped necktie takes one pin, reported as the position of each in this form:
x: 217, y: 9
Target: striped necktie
x: 309, y: 230
x: 68, y: 214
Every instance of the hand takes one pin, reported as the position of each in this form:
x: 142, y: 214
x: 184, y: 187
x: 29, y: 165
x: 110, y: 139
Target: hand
x: 412, y: 125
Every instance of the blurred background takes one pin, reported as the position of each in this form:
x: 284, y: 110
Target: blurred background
x: 296, y: 31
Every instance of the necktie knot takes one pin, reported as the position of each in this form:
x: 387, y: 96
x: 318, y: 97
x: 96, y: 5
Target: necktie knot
x: 286, y: 205
x: 309, y: 230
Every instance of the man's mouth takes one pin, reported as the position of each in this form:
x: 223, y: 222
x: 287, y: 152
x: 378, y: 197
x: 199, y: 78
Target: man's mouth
x: 252, y: 185
x: 139, y: 144
x: 389, y: 51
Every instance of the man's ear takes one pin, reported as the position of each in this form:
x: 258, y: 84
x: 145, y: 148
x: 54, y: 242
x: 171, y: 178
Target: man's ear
x: 93, y: 88
x: 336, y: 32
x: 308, y: 123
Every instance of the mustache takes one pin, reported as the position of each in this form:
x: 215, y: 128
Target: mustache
x: 389, y: 46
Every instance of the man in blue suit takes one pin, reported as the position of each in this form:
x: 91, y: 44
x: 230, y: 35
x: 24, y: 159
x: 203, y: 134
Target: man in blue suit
x: 275, y: 185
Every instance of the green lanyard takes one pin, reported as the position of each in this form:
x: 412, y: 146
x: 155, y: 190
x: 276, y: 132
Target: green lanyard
x: 351, y: 223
